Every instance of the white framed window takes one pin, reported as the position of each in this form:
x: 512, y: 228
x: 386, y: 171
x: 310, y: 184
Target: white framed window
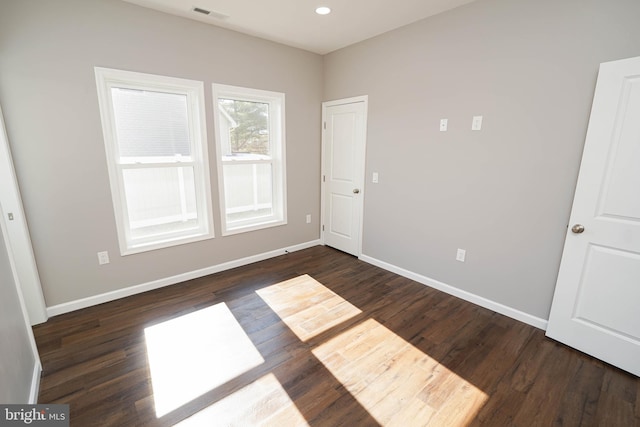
x: 250, y: 143
x: 156, y: 145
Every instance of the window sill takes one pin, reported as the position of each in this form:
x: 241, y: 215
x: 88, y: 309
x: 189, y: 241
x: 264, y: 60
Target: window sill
x: 145, y: 247
x: 253, y: 227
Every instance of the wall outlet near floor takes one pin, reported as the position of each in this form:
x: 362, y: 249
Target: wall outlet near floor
x: 308, y: 218
x: 461, y: 255
x: 103, y: 258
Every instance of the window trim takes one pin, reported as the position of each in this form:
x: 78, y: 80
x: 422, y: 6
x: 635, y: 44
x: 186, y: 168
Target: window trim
x: 107, y: 78
x: 277, y: 137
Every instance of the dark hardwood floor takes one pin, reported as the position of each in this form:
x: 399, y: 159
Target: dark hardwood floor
x: 328, y: 340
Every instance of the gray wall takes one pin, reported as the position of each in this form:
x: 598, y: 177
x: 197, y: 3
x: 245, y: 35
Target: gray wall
x: 17, y: 360
x: 47, y: 53
x: 504, y: 194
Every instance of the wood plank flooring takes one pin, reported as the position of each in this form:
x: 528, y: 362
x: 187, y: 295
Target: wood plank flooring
x: 328, y: 340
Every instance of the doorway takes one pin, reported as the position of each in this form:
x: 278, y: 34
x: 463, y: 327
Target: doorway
x: 344, y: 125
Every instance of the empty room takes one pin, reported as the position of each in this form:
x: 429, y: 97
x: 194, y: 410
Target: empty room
x: 320, y: 213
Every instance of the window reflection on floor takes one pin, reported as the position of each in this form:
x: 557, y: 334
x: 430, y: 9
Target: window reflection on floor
x: 306, y: 306
x: 195, y: 353
x: 392, y: 379
x: 263, y: 402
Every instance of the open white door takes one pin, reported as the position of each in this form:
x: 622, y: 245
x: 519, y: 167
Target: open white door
x: 21, y: 378
x: 18, y: 234
x: 596, y: 303
x: 343, y: 159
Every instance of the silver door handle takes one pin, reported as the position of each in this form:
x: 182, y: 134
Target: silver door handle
x: 578, y: 228
x: 356, y: 191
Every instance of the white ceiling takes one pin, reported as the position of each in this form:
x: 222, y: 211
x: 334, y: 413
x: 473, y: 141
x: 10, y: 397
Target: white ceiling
x: 295, y: 23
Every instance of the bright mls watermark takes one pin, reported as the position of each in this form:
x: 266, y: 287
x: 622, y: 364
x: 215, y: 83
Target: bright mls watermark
x: 34, y: 415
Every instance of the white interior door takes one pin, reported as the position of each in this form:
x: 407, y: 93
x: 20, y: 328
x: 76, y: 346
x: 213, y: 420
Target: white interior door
x: 18, y: 235
x: 343, y: 157
x: 596, y: 303
x: 17, y: 340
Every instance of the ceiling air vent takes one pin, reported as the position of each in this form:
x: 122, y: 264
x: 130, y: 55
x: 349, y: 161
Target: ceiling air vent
x: 214, y: 14
x: 203, y: 11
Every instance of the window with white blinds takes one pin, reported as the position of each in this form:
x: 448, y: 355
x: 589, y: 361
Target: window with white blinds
x: 156, y: 146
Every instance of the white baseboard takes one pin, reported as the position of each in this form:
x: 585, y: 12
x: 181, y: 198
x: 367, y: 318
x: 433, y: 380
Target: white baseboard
x: 467, y: 296
x: 136, y: 289
x: 35, y: 383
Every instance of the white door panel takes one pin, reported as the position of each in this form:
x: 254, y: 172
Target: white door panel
x: 340, y: 209
x: 594, y: 300
x: 344, y: 131
x: 595, y: 306
x: 343, y: 124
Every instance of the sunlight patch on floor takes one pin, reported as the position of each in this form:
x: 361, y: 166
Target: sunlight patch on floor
x: 262, y: 403
x: 397, y: 383
x: 195, y: 353
x: 306, y: 306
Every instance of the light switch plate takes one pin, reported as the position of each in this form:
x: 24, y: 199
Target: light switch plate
x: 476, y: 124
x: 103, y: 258
x: 374, y: 178
x: 443, y: 125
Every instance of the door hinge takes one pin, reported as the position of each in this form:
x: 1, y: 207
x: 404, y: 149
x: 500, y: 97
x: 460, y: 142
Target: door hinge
x: 323, y: 178
x: 325, y: 125
x: 322, y: 227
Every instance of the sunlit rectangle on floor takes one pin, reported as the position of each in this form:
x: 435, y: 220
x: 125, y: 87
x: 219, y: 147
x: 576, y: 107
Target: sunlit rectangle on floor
x: 306, y: 306
x: 395, y: 382
x: 195, y: 353
x: 262, y: 403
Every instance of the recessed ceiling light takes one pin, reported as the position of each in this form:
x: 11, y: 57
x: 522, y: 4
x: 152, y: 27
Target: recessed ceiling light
x: 323, y: 10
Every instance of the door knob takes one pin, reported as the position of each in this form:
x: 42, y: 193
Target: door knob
x: 356, y: 191
x: 578, y: 228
